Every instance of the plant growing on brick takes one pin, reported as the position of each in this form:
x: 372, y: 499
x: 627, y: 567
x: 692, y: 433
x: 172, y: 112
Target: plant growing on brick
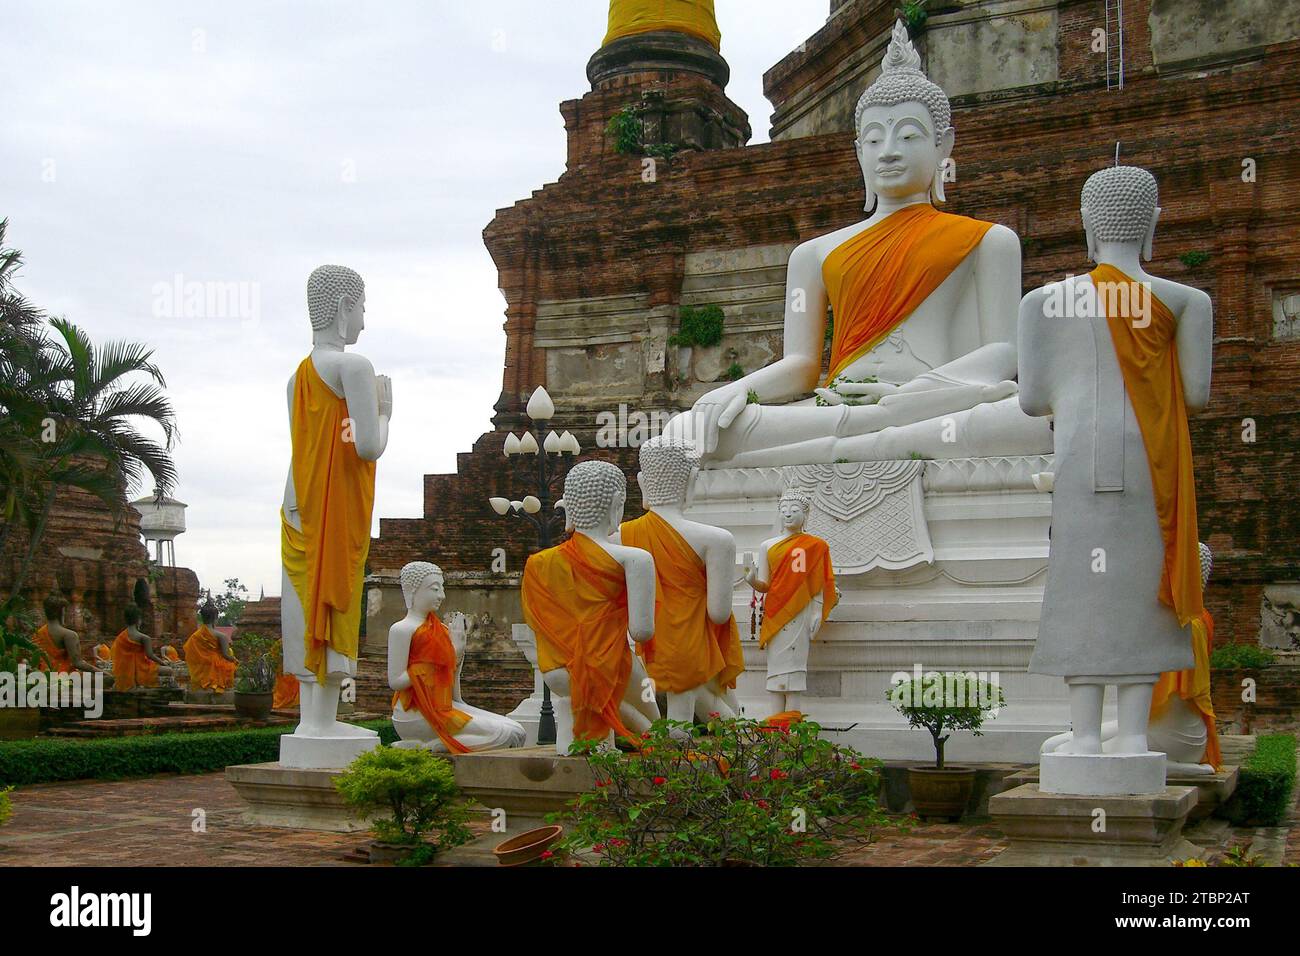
x: 624, y: 127
x: 416, y: 789
x: 702, y: 326
x: 946, y: 701
x: 731, y: 792
x: 1241, y: 656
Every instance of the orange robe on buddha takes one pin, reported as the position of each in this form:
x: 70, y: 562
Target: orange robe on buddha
x: 431, y: 666
x: 574, y: 598
x: 801, y: 570
x: 131, y: 666
x: 286, y: 692
x: 877, y: 278
x: 208, y: 669
x: 1193, y: 686
x: 335, y: 490
x: 688, y: 649
x: 60, y: 660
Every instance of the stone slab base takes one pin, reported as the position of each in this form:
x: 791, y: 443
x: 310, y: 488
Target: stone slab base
x: 1102, y: 774
x: 1051, y: 829
x: 526, y: 782
x: 292, y: 797
x: 323, y: 753
x: 1212, y: 789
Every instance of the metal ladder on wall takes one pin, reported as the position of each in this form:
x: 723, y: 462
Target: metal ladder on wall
x: 1114, y: 44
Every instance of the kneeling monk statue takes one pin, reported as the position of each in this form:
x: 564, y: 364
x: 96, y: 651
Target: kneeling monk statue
x: 424, y: 661
x: 923, y: 350
x: 583, y: 599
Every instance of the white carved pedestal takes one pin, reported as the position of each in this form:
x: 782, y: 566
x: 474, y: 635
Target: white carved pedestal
x: 941, y: 566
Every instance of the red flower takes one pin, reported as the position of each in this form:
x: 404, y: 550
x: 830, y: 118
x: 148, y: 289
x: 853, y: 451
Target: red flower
x: 714, y: 714
x: 547, y: 854
x: 602, y: 783
x: 856, y: 766
x: 660, y: 781
x: 599, y: 848
x: 778, y: 774
x: 763, y: 804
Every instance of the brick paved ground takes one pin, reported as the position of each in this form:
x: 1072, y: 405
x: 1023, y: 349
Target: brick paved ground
x: 148, y: 822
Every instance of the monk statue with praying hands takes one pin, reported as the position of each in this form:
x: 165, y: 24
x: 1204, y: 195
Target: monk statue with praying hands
x: 923, y: 350
x: 1120, y: 358
x: 584, y: 599
x: 339, y: 411
x: 793, y: 570
x: 695, y: 655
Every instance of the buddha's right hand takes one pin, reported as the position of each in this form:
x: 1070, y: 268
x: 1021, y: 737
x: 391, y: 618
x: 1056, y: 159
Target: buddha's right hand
x: 384, y: 391
x: 714, y: 411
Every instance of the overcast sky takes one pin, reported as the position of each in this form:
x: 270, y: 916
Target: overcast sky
x: 144, y: 144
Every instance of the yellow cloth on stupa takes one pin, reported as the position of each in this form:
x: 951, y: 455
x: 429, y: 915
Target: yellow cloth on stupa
x: 877, y: 278
x: 131, y: 666
x: 60, y: 660
x: 574, y: 598
x: 687, y: 649
x: 694, y: 17
x: 1148, y: 360
x: 208, y: 669
x: 335, y: 490
x: 431, y: 666
x: 801, y: 570
x: 1193, y: 686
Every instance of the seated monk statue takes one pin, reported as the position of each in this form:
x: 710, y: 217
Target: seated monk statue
x: 794, y: 572
x: 694, y: 656
x: 1119, y: 358
x: 1182, y: 724
x: 425, y: 657
x: 583, y: 599
x: 104, y: 657
x: 135, y: 662
x: 207, y: 655
x: 923, y: 351
x: 61, y: 645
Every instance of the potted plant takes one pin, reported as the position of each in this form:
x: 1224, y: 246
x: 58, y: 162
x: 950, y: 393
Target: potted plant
x: 941, y: 702
x: 412, y: 802
x: 16, y: 647
x: 255, y: 676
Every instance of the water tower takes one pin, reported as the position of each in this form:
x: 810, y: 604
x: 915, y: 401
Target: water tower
x: 161, y: 520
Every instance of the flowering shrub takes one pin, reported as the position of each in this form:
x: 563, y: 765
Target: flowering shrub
x: 731, y: 792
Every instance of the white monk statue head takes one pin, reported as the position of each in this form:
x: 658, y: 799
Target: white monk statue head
x: 667, y: 465
x: 594, y: 495
x: 422, y: 586
x: 336, y: 303
x: 1120, y: 204
x: 794, y: 506
x: 904, y: 127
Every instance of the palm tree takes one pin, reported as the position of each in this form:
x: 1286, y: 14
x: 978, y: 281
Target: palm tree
x: 68, y: 414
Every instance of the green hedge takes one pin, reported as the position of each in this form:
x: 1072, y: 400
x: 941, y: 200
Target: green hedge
x: 50, y: 760
x: 1264, y: 788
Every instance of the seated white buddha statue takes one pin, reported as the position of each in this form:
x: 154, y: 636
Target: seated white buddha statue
x: 424, y: 662
x: 923, y: 350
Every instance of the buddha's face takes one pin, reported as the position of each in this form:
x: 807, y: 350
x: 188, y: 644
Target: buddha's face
x: 353, y: 313
x: 793, y: 515
x: 898, y: 150
x: 429, y: 596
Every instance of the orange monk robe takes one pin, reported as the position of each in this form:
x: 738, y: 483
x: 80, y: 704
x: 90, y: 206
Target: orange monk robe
x: 877, y: 278
x: 801, y: 570
x: 431, y: 666
x: 208, y: 669
x: 103, y: 653
x: 1148, y: 359
x: 286, y: 692
x: 574, y: 598
x: 60, y: 659
x: 1193, y: 686
x: 335, y: 490
x: 688, y: 649
x: 171, y: 653
x: 131, y: 666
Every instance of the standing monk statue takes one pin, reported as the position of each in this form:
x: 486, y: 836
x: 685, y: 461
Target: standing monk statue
x: 1120, y: 358
x: 923, y: 350
x: 695, y: 655
x: 338, y: 421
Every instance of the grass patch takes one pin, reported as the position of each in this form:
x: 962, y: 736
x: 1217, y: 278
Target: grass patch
x: 1264, y: 788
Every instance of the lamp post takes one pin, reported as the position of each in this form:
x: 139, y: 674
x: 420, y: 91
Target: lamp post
x: 550, y: 451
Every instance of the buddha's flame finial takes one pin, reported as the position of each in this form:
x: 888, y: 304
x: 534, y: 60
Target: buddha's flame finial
x: 901, y: 56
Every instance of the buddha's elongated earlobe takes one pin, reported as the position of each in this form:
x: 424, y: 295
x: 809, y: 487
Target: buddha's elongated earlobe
x: 1088, y: 234
x: 1151, y: 236
x: 936, y: 190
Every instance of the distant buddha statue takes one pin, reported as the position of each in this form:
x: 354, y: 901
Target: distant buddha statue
x: 285, y: 694
x: 425, y: 657
x: 923, y: 351
x: 207, y: 655
x: 61, y: 645
x: 695, y: 655
x: 135, y: 662
x: 1119, y: 358
x: 338, y: 421
x: 794, y: 572
x: 583, y: 599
